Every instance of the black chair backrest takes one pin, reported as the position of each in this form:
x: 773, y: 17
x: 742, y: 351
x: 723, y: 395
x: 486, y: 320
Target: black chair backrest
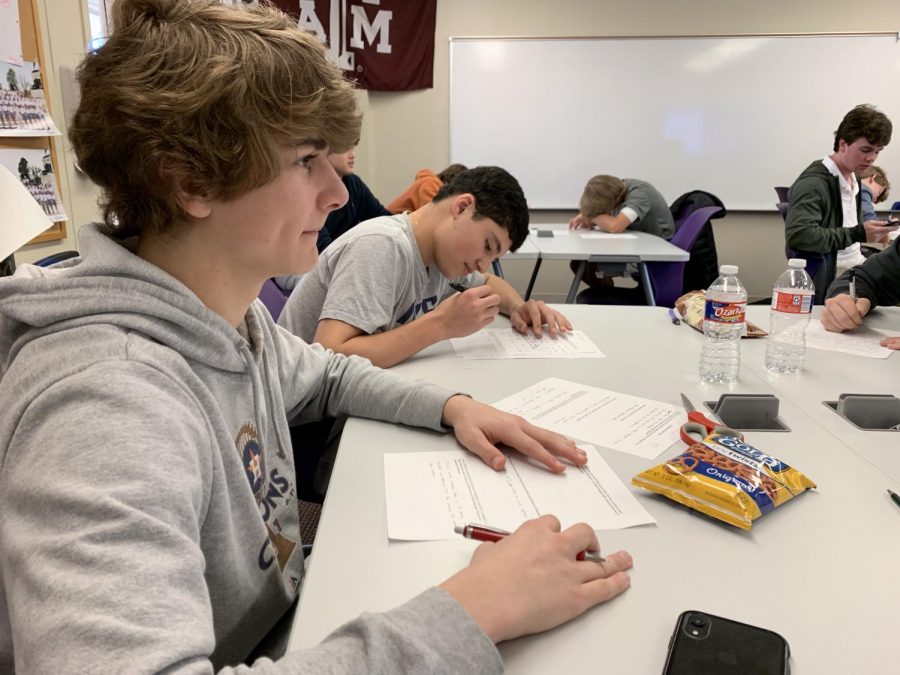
x: 703, y: 267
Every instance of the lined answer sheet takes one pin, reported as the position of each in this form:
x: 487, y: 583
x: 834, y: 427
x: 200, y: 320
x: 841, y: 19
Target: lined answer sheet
x: 428, y: 493
x: 506, y: 343
x: 638, y: 426
x: 863, y: 341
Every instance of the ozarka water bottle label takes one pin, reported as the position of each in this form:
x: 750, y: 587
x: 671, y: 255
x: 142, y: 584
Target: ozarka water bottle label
x: 725, y: 312
x: 792, y: 303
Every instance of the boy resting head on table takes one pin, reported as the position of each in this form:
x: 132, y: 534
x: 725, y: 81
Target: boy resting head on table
x: 615, y: 205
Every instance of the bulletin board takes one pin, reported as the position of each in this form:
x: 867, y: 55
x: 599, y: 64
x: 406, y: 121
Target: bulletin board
x: 28, y: 135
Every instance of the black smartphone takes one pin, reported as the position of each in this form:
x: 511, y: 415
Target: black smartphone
x: 704, y: 644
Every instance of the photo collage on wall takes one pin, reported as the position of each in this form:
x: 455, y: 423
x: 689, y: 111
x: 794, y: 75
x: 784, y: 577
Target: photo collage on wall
x: 35, y: 170
x: 23, y: 113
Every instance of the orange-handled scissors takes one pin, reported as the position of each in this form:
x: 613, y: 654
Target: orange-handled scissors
x: 699, y: 426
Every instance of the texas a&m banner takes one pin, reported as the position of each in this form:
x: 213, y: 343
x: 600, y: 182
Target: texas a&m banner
x: 385, y: 45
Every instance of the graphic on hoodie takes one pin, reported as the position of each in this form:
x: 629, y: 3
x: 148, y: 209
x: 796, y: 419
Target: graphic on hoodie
x: 272, y: 492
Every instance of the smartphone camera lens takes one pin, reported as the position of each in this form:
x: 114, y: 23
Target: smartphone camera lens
x: 697, y: 626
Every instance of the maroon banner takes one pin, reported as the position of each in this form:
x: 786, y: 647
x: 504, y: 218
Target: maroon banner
x: 384, y: 45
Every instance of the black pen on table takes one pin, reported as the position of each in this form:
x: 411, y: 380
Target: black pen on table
x: 894, y: 497
x: 488, y: 533
x: 673, y: 314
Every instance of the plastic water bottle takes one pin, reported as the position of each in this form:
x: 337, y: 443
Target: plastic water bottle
x: 792, y: 301
x: 723, y: 326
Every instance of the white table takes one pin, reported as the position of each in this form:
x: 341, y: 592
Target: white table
x: 822, y: 570
x: 579, y: 245
x: 527, y: 251
x: 826, y: 375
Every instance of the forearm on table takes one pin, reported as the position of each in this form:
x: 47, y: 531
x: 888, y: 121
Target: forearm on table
x: 612, y: 224
x: 391, y: 347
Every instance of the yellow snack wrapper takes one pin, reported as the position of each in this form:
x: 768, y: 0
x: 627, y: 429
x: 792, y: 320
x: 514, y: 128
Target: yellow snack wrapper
x: 727, y: 479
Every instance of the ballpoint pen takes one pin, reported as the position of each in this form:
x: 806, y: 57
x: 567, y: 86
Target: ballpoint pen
x: 853, y: 284
x: 459, y: 288
x: 488, y: 533
x: 673, y: 314
x: 894, y: 496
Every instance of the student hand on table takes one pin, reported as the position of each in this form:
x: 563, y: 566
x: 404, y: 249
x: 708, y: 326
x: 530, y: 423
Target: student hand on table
x: 579, y: 222
x: 479, y: 427
x: 468, y: 312
x: 891, y: 343
x: 841, y: 313
x: 531, y: 582
x: 535, y: 314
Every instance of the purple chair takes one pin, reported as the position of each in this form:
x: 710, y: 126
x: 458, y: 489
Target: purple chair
x: 273, y: 298
x: 667, y: 278
x: 782, y: 207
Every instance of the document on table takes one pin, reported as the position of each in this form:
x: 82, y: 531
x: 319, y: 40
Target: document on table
x: 607, y: 235
x: 631, y: 424
x: 863, y: 341
x: 428, y: 493
x: 506, y: 343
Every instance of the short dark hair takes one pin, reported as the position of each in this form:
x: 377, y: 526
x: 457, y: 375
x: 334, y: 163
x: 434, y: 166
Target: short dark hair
x: 498, y: 196
x: 864, y: 121
x: 451, y: 172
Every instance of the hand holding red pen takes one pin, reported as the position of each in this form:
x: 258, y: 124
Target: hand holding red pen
x: 531, y: 581
x: 493, y: 534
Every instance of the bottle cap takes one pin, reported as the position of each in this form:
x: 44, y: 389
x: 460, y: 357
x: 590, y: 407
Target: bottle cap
x: 797, y: 263
x: 728, y: 269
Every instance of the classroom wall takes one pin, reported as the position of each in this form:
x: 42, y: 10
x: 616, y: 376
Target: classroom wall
x: 409, y: 131
x: 404, y: 132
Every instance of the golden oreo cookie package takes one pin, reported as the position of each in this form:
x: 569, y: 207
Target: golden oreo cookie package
x: 727, y: 479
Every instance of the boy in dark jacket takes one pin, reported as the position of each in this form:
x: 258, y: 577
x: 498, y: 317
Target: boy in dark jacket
x: 825, y: 213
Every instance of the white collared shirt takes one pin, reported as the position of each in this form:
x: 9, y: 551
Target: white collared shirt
x: 850, y: 256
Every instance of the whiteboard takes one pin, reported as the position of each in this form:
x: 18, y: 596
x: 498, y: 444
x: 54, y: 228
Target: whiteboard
x: 735, y: 116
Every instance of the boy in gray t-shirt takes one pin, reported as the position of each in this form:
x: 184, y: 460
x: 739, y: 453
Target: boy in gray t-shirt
x: 614, y: 205
x: 383, y: 290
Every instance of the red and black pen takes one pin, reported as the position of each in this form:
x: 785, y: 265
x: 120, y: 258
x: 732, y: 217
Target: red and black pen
x: 488, y: 533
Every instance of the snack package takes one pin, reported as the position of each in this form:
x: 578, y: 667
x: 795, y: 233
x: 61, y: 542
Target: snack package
x: 691, y: 306
x: 727, y: 479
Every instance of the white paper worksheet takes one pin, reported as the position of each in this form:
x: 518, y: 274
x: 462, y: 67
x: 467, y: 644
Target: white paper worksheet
x: 428, y: 493
x: 22, y: 217
x: 506, y: 343
x: 638, y: 426
x: 863, y: 341
x: 607, y: 235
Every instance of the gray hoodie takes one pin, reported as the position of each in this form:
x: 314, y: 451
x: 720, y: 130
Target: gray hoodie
x: 149, y: 514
